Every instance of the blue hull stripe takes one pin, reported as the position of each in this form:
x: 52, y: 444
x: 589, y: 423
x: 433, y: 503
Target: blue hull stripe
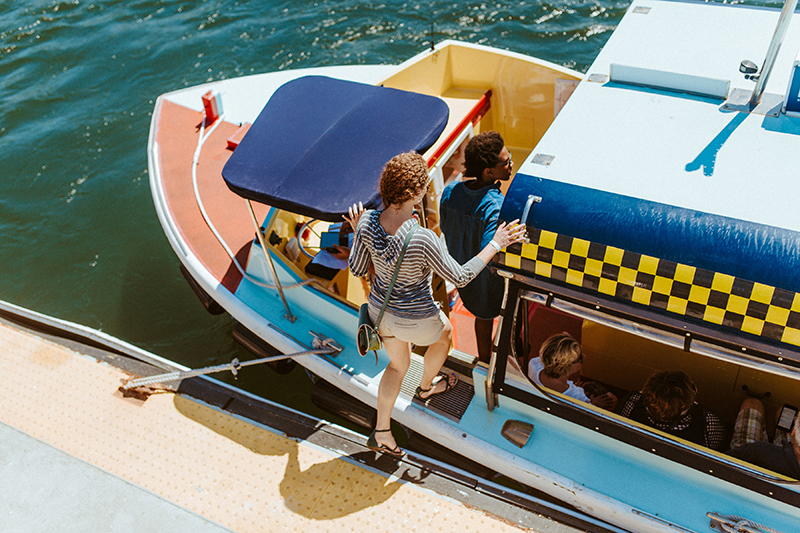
x: 754, y: 252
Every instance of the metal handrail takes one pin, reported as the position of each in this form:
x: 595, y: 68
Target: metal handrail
x: 772, y: 52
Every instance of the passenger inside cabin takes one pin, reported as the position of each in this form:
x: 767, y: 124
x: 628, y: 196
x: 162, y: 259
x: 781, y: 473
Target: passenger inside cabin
x: 750, y: 441
x: 560, y: 357
x: 667, y: 402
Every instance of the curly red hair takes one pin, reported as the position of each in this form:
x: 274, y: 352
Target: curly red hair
x: 403, y: 178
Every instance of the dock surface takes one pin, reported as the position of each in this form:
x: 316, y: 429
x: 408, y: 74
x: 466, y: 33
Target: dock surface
x: 75, y: 456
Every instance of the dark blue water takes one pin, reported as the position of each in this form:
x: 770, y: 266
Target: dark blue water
x: 79, y: 237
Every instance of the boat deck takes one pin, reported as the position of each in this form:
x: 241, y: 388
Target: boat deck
x: 78, y: 456
x: 645, y: 132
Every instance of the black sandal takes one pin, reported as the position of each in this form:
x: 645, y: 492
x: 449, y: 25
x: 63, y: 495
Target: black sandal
x: 447, y: 386
x: 373, y: 445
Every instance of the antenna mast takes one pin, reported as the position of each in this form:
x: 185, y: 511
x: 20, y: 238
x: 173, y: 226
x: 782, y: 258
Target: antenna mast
x: 433, y: 47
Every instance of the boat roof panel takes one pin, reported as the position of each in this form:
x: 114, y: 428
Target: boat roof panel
x: 656, y: 193
x: 675, y: 148
x: 320, y: 144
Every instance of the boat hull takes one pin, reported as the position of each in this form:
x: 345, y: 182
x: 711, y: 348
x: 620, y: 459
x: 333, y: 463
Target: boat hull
x: 573, y: 452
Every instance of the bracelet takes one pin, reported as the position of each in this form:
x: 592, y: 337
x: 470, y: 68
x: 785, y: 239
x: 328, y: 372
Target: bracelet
x: 495, y: 245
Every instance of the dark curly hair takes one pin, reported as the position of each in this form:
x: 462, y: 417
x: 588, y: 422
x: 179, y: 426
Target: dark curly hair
x: 403, y: 178
x: 482, y: 152
x: 666, y: 395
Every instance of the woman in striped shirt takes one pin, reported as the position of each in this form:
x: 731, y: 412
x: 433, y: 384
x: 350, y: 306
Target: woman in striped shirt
x: 412, y: 315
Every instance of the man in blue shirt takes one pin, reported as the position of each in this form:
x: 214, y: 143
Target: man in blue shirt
x: 468, y: 218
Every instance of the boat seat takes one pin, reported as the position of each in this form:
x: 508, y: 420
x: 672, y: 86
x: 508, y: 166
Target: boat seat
x: 670, y: 81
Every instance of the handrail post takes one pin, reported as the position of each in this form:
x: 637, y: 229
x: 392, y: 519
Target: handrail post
x: 289, y: 316
x: 772, y: 52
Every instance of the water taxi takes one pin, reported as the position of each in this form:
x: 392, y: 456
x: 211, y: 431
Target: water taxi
x: 659, y: 191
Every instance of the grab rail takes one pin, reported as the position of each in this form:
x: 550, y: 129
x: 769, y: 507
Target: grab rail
x: 475, y: 114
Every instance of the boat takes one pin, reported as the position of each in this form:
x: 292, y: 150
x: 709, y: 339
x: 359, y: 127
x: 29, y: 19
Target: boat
x: 659, y: 192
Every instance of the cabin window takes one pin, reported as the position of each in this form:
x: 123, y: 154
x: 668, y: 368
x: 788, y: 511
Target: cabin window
x: 619, y: 359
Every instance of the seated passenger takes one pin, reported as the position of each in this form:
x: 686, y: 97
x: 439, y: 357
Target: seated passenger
x: 751, y: 443
x: 332, y: 258
x: 667, y: 403
x: 560, y: 356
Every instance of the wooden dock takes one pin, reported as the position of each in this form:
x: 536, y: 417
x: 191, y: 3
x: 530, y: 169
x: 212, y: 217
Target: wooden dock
x: 203, y: 458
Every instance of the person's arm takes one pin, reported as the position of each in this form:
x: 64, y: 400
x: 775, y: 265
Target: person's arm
x: 715, y: 432
x: 628, y: 403
x: 360, y: 258
x: 354, y: 213
x: 605, y: 401
x: 505, y: 235
x: 444, y: 265
x: 491, y: 217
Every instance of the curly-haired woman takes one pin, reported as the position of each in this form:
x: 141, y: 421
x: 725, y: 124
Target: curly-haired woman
x: 412, y: 315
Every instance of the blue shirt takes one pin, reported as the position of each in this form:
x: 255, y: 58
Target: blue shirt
x: 468, y: 220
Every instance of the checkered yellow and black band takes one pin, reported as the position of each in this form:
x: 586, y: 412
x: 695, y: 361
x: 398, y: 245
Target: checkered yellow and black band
x: 685, y: 290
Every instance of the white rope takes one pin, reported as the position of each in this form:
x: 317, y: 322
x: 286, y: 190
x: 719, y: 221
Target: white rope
x: 233, y: 366
x: 195, y: 160
x: 737, y: 524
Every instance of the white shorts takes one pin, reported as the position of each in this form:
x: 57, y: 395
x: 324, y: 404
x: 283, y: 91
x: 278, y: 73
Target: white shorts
x: 418, y: 331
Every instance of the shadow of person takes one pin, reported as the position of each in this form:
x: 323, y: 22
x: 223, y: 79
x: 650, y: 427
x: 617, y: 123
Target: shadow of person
x: 335, y: 488
x: 316, y: 489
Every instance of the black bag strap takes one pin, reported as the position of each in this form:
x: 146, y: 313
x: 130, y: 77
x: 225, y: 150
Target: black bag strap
x: 396, y: 272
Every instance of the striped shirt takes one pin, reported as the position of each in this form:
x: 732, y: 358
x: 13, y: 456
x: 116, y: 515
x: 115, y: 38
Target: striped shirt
x: 412, y: 296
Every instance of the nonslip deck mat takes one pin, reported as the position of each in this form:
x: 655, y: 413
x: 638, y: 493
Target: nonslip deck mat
x: 452, y: 404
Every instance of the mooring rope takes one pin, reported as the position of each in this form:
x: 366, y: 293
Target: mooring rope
x: 737, y: 524
x: 233, y: 366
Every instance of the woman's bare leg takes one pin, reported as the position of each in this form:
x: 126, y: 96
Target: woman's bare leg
x: 389, y: 388
x: 434, y: 360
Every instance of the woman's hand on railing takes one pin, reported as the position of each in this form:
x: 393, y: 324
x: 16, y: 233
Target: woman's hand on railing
x: 509, y: 233
x: 505, y: 235
x: 355, y: 213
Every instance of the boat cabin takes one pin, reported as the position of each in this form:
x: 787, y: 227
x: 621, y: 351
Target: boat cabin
x: 663, y: 233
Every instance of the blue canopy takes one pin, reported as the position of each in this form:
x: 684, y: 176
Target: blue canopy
x: 320, y: 144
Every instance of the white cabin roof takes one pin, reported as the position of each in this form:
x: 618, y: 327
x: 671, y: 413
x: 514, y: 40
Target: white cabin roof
x: 675, y: 148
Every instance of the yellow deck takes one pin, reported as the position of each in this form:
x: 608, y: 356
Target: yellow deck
x: 227, y: 470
